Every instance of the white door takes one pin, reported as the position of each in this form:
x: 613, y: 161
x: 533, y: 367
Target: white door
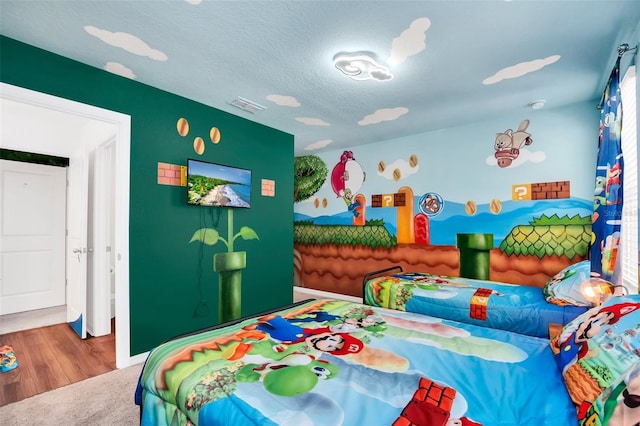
x: 77, y: 252
x: 100, y: 231
x: 32, y: 243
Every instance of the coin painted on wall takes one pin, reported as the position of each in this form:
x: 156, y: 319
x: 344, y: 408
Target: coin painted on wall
x: 198, y: 145
x: 182, y: 126
x: 215, y: 135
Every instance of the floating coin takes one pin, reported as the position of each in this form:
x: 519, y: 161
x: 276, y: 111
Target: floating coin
x: 215, y: 135
x: 183, y: 127
x: 495, y: 206
x: 198, y: 145
x: 471, y: 208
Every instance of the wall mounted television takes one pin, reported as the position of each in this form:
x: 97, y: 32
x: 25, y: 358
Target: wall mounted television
x: 217, y: 185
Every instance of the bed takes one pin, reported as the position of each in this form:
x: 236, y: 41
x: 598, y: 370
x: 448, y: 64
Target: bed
x: 334, y: 362
x: 517, y: 308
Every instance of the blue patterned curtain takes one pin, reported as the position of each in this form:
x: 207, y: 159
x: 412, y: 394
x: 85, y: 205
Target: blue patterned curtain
x: 607, y: 202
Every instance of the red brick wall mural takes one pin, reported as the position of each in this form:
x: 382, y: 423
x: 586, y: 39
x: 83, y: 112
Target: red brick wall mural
x: 172, y: 174
x: 541, y: 191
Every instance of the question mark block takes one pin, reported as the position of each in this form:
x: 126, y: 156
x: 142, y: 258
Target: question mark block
x: 521, y: 192
x: 387, y: 200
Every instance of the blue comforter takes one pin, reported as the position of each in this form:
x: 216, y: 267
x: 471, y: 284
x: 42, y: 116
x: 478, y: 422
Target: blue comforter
x: 517, y: 308
x: 341, y: 363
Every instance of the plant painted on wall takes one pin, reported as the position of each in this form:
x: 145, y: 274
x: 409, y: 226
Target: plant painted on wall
x: 228, y: 265
x: 509, y: 143
x: 310, y: 174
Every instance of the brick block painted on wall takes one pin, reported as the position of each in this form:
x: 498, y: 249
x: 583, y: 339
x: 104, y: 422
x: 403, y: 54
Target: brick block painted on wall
x: 550, y: 190
x: 172, y: 174
x: 541, y: 191
x: 268, y: 188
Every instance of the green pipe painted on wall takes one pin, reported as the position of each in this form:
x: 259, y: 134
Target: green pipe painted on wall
x: 475, y: 255
x: 229, y: 267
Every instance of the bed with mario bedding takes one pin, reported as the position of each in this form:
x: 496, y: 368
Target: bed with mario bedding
x: 522, y: 309
x: 330, y: 362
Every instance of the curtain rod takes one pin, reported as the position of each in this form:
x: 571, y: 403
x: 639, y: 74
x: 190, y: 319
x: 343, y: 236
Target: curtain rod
x: 622, y: 49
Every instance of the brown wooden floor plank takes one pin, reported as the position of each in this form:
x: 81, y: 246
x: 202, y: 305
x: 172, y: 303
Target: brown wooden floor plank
x: 52, y: 357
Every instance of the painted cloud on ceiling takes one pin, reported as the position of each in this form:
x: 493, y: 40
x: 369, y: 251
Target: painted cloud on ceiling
x: 282, y: 100
x: 384, y: 114
x: 318, y: 145
x: 310, y: 121
x: 118, y: 68
x: 126, y: 41
x: 520, y: 69
x: 410, y: 42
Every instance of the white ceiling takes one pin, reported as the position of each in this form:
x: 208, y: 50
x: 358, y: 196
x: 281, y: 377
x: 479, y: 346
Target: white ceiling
x: 453, y: 62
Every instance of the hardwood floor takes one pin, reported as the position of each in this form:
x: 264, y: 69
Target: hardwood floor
x: 52, y: 357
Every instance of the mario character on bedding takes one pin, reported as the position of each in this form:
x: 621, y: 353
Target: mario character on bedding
x: 599, y: 356
x: 330, y: 362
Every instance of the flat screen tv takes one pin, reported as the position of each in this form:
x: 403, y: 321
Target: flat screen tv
x: 217, y: 185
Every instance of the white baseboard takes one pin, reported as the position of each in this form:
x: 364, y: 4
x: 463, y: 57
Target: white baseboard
x: 133, y: 360
x: 325, y: 294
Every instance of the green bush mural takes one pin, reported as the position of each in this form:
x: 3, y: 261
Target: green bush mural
x: 546, y: 236
x: 310, y: 172
x: 373, y: 236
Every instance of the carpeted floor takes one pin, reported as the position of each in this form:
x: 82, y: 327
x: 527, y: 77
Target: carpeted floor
x: 104, y: 400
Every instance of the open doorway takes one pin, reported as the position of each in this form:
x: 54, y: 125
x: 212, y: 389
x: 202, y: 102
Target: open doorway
x: 95, y: 121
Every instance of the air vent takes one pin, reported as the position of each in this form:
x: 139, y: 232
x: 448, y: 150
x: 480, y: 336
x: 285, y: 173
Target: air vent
x: 247, y: 105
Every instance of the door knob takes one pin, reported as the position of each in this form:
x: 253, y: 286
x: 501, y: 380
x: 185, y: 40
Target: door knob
x: 78, y: 252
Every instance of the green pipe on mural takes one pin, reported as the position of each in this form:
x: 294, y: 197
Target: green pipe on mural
x: 475, y: 255
x: 229, y: 268
x: 228, y: 265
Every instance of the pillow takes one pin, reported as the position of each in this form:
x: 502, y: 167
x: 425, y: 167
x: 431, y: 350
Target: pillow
x: 619, y: 404
x: 564, y: 287
x: 598, y: 347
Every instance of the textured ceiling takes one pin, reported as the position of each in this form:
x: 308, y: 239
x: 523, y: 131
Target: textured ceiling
x: 452, y: 61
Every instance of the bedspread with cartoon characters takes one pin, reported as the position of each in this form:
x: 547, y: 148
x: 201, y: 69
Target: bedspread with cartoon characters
x: 517, y: 308
x: 329, y: 362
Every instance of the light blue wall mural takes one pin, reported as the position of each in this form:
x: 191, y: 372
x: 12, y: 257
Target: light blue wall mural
x: 532, y: 167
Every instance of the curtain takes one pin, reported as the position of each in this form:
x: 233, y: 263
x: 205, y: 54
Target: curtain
x: 607, y: 202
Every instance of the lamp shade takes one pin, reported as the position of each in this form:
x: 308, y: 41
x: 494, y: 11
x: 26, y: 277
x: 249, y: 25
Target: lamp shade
x: 597, y: 290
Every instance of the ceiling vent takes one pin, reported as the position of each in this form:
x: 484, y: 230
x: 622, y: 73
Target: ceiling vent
x: 247, y: 105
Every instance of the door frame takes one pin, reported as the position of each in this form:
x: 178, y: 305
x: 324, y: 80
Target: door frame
x: 122, y: 123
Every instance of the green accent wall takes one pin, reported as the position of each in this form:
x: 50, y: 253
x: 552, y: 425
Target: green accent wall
x: 170, y: 278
